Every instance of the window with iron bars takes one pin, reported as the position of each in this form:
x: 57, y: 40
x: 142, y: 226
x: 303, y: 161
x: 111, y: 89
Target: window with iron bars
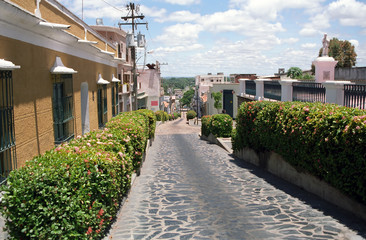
x: 63, y: 107
x: 102, y: 105
x: 7, y: 136
x: 115, y: 99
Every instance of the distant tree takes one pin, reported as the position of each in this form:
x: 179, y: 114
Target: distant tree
x: 294, y: 72
x: 187, y: 97
x: 217, y: 96
x: 342, y: 51
x: 177, y: 83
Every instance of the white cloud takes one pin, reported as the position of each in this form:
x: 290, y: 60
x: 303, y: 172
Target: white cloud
x: 309, y: 45
x: 289, y: 40
x: 348, y: 12
x: 178, y: 48
x: 318, y: 25
x: 153, y: 12
x: 179, y: 16
x: 239, y: 21
x: 180, y: 34
x: 270, y: 9
x: 183, y: 2
x: 354, y: 43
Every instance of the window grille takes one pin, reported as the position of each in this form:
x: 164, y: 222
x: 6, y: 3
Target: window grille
x: 63, y: 107
x: 102, y: 105
x: 7, y: 135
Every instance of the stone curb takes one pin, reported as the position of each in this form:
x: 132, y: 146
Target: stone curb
x: 218, y: 141
x: 275, y: 164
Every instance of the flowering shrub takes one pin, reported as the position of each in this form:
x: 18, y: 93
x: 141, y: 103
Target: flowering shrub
x: 159, y: 115
x: 74, y: 190
x: 221, y: 125
x: 205, y: 127
x: 191, y: 114
x: 325, y: 140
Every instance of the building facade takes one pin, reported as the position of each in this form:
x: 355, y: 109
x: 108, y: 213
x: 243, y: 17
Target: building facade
x: 57, y: 77
x: 149, y: 87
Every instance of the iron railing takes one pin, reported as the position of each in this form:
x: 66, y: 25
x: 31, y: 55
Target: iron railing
x: 7, y: 136
x: 355, y: 96
x: 250, y: 87
x: 272, y: 90
x: 308, y: 92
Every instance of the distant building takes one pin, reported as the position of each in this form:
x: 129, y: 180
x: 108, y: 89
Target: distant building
x: 234, y: 78
x: 204, y: 82
x: 149, y: 87
x: 117, y: 37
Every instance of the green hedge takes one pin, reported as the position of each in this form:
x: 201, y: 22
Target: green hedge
x: 325, y: 140
x: 159, y: 115
x: 221, y: 125
x: 74, y: 190
x: 191, y: 114
x: 205, y: 125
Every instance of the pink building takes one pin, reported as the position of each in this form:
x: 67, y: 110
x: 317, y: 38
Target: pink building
x: 149, y: 83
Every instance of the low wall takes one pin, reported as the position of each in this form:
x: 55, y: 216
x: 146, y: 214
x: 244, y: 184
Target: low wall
x: 275, y: 164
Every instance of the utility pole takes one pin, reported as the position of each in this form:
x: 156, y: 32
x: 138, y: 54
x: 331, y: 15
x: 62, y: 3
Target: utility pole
x: 134, y: 10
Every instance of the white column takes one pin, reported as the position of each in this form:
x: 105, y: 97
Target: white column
x: 242, y: 86
x: 334, y: 91
x: 259, y: 88
x: 287, y: 90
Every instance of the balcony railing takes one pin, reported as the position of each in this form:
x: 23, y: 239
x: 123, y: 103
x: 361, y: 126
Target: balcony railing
x: 308, y: 92
x: 339, y: 92
x: 272, y: 90
x: 355, y: 96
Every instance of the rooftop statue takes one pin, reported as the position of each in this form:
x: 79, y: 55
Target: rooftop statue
x: 325, y: 46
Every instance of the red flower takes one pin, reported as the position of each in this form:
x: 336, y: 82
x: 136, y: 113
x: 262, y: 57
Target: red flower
x: 89, y: 231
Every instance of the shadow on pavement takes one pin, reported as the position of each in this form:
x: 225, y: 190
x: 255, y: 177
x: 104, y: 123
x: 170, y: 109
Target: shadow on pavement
x: 356, y: 224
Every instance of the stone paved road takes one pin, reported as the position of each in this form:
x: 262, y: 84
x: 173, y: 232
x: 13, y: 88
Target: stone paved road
x: 189, y: 189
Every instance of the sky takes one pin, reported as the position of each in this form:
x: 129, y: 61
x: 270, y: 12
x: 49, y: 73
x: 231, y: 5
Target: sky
x: 196, y: 37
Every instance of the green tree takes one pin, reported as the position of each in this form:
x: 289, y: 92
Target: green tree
x: 342, y: 51
x: 187, y: 97
x: 294, y: 72
x: 217, y: 96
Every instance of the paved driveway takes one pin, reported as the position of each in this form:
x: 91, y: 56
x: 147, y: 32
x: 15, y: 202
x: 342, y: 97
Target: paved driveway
x: 189, y: 189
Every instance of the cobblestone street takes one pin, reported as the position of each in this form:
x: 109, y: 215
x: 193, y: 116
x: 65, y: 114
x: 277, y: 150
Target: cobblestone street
x: 190, y: 189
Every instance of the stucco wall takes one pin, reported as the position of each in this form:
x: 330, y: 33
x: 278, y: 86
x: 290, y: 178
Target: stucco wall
x: 33, y: 94
x: 220, y: 87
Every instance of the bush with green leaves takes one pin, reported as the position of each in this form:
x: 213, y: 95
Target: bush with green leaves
x: 159, y: 115
x: 221, y: 125
x: 191, y: 114
x: 325, y: 140
x: 205, y: 125
x: 176, y: 115
x: 74, y: 190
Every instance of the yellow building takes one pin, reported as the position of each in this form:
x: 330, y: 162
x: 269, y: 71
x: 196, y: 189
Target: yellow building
x: 57, y: 79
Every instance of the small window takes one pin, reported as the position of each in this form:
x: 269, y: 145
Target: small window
x: 115, y: 99
x: 102, y: 105
x: 7, y: 135
x: 63, y: 107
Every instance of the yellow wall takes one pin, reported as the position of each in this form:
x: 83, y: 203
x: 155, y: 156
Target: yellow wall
x: 33, y: 94
x: 53, y: 15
